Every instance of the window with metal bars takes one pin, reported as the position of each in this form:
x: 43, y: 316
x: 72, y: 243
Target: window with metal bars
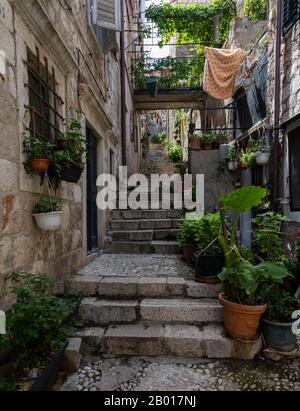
x: 291, y: 13
x: 45, y: 105
x: 294, y: 163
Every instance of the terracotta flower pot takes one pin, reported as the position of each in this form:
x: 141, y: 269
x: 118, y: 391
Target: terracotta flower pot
x: 188, y: 252
x: 40, y: 165
x: 207, y: 146
x: 241, y: 321
x: 195, y: 144
x: 62, y: 143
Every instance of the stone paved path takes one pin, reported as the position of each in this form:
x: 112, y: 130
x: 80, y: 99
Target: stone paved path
x: 167, y: 374
x: 138, y: 265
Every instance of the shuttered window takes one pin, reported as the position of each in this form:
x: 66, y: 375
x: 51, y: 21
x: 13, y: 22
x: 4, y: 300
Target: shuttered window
x: 294, y: 160
x: 291, y: 13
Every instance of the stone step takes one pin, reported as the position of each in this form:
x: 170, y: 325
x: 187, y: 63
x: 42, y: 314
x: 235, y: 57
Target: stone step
x: 147, y: 214
x: 141, y: 287
x: 129, y: 225
x: 144, y: 247
x: 142, y: 339
x: 177, y: 310
x: 144, y: 235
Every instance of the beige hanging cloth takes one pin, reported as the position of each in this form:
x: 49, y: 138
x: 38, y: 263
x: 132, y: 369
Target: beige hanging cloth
x: 221, y: 68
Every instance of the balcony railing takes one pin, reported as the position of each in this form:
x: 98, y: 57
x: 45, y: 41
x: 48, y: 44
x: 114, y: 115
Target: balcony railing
x: 184, y: 73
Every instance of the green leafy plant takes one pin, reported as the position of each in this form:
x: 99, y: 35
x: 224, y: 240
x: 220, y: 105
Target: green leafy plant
x: 208, y: 234
x: 37, y: 148
x: 181, y: 167
x: 231, y: 153
x: 281, y: 304
x: 46, y: 205
x: 175, y: 152
x: 195, y: 136
x: 188, y: 229
x: 37, y: 323
x: 247, y: 158
x: 243, y: 282
x: 267, y: 236
x: 159, y: 138
x: 256, y: 9
x: 208, y: 138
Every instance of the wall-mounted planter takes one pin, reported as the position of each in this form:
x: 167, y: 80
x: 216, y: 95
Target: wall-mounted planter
x: 48, y: 221
x: 232, y: 166
x: 152, y: 84
x: 262, y: 158
x: 40, y: 165
x: 71, y: 172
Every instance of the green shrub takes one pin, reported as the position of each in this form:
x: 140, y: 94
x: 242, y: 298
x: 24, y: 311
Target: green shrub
x: 188, y: 229
x: 256, y: 9
x: 208, y: 234
x: 159, y: 138
x: 281, y: 304
x: 208, y: 138
x: 175, y: 152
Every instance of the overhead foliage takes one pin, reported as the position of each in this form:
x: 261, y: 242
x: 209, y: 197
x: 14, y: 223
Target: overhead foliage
x: 193, y: 23
x: 256, y: 9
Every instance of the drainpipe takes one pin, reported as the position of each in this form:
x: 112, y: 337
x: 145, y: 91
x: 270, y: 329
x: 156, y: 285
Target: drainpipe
x: 277, y: 101
x: 123, y: 85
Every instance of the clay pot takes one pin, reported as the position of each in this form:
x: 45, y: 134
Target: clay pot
x: 241, y: 321
x: 62, y: 143
x: 40, y: 165
x: 207, y: 146
x: 188, y: 253
x: 195, y: 144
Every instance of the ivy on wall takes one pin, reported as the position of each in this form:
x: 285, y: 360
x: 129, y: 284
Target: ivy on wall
x: 256, y: 9
x: 193, y: 23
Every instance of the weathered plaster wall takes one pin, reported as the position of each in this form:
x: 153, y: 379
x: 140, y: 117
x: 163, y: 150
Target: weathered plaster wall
x: 86, y: 79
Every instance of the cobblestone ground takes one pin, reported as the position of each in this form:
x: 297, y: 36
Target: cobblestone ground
x: 138, y: 265
x: 167, y: 374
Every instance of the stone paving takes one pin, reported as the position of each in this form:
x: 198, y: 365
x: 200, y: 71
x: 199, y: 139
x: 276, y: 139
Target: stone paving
x: 140, y: 265
x: 168, y: 374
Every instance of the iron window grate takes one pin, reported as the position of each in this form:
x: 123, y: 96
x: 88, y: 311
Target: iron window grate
x: 291, y: 13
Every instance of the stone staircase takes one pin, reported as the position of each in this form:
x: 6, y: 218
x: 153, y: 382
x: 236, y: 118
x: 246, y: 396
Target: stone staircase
x: 155, y: 316
x: 156, y: 161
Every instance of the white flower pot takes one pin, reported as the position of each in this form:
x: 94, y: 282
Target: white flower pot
x: 262, y: 158
x: 223, y: 151
x: 48, y: 221
x: 232, y: 165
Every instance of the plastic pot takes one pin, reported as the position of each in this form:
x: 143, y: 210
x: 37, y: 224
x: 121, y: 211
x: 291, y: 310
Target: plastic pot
x: 40, y: 164
x: 232, y: 165
x: 262, y: 158
x: 278, y: 336
x: 209, y: 267
x: 188, y: 253
x: 195, y: 143
x: 241, y: 321
x: 48, y: 221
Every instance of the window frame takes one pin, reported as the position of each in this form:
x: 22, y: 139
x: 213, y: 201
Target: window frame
x: 290, y: 132
x: 291, y: 21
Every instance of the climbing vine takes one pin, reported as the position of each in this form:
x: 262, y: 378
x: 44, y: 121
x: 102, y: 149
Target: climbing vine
x: 194, y: 23
x: 256, y: 9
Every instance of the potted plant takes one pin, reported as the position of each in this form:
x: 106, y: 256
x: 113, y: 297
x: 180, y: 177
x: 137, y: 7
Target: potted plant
x: 39, y: 153
x: 208, y: 139
x: 231, y: 158
x: 38, y: 325
x: 69, y: 162
x: 152, y: 84
x: 195, y: 142
x: 61, y: 140
x: 243, y: 283
x: 277, y: 322
x: 187, y: 235
x: 47, y: 214
x: 181, y: 167
x: 246, y: 159
x: 209, y: 260
x: 262, y: 154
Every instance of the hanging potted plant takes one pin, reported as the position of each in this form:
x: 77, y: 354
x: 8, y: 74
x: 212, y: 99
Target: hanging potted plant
x: 231, y: 158
x: 69, y: 162
x: 209, y: 260
x: 208, y: 139
x: 244, y: 284
x: 47, y: 214
x: 62, y: 140
x: 245, y: 159
x: 262, y: 155
x: 195, y: 142
x: 39, y: 153
x: 152, y: 84
x: 277, y: 322
x: 187, y: 235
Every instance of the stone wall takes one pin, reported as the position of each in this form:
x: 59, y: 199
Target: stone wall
x: 87, y: 80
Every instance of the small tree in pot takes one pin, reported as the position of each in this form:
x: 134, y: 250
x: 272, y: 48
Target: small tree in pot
x: 243, y: 283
